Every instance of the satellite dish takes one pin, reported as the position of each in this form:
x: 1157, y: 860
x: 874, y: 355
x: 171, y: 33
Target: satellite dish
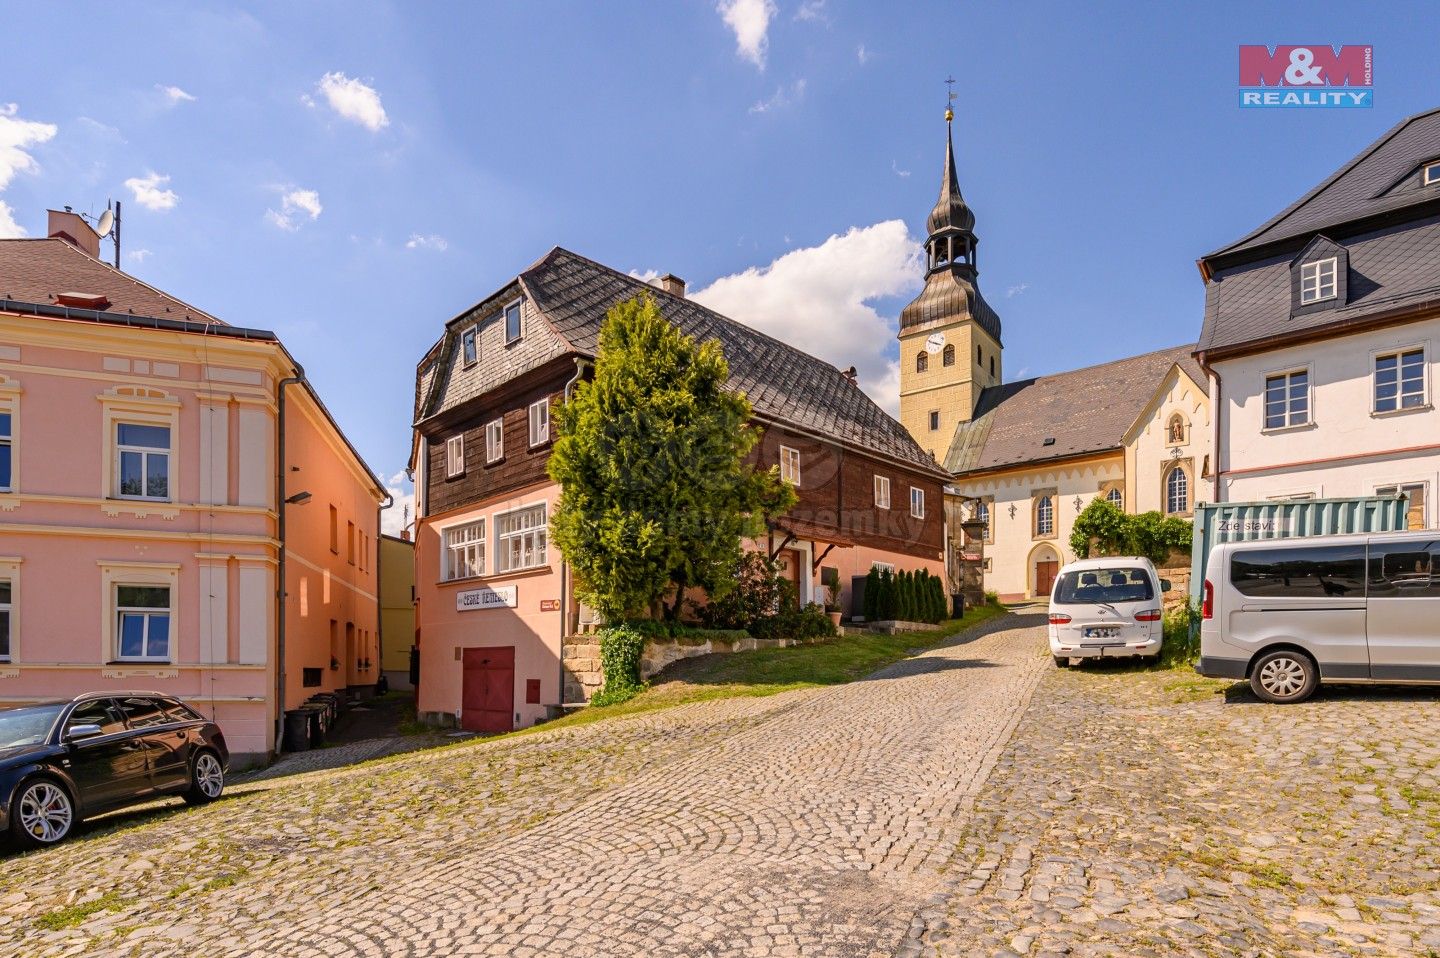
x: 106, y: 223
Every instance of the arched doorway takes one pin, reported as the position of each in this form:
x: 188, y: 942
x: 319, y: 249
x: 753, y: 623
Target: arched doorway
x: 1043, y: 566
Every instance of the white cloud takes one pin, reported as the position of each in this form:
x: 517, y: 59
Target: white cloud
x: 750, y: 22
x: 1016, y: 290
x: 782, y: 97
x: 812, y: 10
x: 438, y: 243
x: 294, y: 207
x: 138, y: 255
x: 174, y: 95
x: 646, y: 275
x: 150, y: 191
x: 394, y: 519
x: 895, y: 167
x: 862, y: 54
x: 818, y: 299
x: 353, y: 100
x: 17, y: 136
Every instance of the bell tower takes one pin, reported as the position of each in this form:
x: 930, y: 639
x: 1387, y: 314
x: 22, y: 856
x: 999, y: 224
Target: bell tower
x: 949, y: 336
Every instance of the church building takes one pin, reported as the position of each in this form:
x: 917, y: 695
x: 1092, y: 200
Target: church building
x: 1027, y: 456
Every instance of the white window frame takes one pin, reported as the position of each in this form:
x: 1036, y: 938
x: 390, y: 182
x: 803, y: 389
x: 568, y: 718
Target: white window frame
x: 494, y: 440
x: 1045, y: 526
x: 1287, y: 372
x: 7, y: 442
x: 139, y: 406
x: 882, y: 492
x: 145, y: 452
x: 10, y: 573
x: 455, y: 456
x: 10, y: 406
x: 1320, y: 276
x: 539, y: 419
x: 1379, y: 354
x: 1170, y: 474
x: 1394, y: 488
x: 502, y: 539
x: 883, y: 567
x: 1115, y: 497
x: 917, y: 502
x: 470, y: 347
x: 1426, y: 177
x: 147, y: 612
x: 790, y: 465
x: 473, y: 548
x: 520, y: 322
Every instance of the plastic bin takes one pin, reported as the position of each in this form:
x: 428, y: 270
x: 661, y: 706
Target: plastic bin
x: 297, y: 730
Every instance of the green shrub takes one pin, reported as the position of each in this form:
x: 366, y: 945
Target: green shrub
x: 992, y: 597
x: 1106, y: 530
x: 885, y: 604
x: 1181, y: 645
x: 620, y: 649
x: 758, y: 590
x: 871, y: 607
x: 792, y: 622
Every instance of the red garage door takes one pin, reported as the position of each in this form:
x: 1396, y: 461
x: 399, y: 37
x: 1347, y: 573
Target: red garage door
x: 487, y: 698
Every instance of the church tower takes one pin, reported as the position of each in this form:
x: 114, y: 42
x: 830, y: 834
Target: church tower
x: 949, y: 336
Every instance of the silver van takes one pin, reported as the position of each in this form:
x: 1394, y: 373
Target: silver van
x: 1288, y: 614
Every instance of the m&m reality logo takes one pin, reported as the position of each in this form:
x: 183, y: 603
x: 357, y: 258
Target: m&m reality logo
x: 1312, y: 75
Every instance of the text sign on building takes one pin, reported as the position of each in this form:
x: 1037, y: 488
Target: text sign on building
x: 1303, y: 76
x: 502, y: 597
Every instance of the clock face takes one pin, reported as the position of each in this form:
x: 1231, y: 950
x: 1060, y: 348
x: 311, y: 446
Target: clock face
x: 935, y: 343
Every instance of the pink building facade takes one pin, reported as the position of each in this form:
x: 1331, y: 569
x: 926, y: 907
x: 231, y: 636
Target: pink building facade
x: 142, y: 478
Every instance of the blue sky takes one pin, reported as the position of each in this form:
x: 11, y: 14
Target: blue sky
x: 353, y: 174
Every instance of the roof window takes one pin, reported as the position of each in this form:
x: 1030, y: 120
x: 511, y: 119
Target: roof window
x: 1430, y: 174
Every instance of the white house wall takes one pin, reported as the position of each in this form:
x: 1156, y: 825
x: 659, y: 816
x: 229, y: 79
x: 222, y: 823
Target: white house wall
x: 1150, y: 454
x: 1347, y: 449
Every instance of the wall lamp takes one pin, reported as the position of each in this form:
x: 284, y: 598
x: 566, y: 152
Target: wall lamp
x: 298, y: 498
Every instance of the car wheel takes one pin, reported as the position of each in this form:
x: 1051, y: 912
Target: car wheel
x: 1284, y: 676
x: 207, y: 779
x: 1062, y: 661
x: 41, y: 814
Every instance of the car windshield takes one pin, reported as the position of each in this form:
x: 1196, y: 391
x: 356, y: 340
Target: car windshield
x: 28, y: 725
x: 1092, y: 586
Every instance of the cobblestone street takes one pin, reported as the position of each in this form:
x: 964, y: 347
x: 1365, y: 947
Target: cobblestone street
x: 927, y: 811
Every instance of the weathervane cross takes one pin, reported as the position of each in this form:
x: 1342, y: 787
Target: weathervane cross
x: 950, y: 83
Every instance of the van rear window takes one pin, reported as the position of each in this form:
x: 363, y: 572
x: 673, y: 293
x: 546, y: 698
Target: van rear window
x: 1120, y: 584
x: 1313, y: 572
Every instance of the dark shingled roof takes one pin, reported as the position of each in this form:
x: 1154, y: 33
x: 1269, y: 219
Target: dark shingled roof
x: 1085, y: 411
x: 948, y: 297
x: 1389, y: 269
x: 1380, y: 179
x: 39, y: 270
x: 781, y: 382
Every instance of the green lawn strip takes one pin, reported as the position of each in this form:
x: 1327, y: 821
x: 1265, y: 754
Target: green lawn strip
x: 771, y: 671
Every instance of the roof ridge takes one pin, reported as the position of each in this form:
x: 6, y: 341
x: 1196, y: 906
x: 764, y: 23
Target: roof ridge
x: 1324, y: 184
x: 1188, y: 349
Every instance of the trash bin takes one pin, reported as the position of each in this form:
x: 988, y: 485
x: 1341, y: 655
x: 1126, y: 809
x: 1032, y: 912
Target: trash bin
x: 315, y: 715
x: 297, y: 730
x: 957, y: 605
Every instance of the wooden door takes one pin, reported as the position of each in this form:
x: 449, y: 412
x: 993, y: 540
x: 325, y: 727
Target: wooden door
x: 1045, y: 571
x: 487, y: 696
x: 789, y: 563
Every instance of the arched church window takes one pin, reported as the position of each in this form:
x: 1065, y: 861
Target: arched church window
x: 1115, y: 497
x: 948, y: 357
x: 1177, y: 491
x: 922, y: 361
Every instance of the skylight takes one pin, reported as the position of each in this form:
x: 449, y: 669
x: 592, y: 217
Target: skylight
x: 1431, y: 174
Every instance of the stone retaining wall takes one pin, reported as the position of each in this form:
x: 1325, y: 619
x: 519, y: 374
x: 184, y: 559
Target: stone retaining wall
x: 581, y: 657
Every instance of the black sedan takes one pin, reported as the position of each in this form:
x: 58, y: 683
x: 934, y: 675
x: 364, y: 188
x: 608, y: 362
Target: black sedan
x: 61, y: 762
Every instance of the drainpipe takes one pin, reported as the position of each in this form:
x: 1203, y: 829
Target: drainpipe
x: 580, y: 364
x: 379, y: 601
x: 1217, y: 409
x: 280, y: 594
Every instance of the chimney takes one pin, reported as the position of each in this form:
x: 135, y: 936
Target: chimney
x: 851, y: 376
x: 71, y: 228
x: 672, y: 284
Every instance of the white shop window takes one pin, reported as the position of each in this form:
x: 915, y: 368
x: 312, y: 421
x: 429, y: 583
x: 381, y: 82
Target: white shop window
x: 520, y: 539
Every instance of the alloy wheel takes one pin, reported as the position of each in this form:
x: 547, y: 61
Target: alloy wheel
x: 209, y: 776
x: 46, y: 813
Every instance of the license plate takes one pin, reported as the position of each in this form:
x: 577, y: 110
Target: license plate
x: 1101, y: 632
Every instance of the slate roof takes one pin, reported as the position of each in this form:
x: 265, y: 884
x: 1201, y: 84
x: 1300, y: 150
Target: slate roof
x: 39, y: 270
x: 1376, y: 181
x: 1390, y: 269
x: 1085, y: 411
x: 782, y: 382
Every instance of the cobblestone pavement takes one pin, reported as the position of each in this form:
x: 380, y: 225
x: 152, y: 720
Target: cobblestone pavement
x: 809, y: 823
x: 346, y: 753
x: 1149, y: 814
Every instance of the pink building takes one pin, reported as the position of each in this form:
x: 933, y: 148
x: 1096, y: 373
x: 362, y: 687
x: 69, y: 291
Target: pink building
x: 160, y: 473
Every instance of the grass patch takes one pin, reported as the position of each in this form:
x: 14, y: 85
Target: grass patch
x: 76, y: 914
x: 771, y: 671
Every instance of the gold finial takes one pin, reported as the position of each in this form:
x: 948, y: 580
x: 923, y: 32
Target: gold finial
x: 950, y: 98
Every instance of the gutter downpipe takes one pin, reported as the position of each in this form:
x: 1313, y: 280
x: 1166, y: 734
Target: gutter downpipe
x: 280, y: 592
x: 580, y: 364
x: 379, y: 566
x: 1217, y: 410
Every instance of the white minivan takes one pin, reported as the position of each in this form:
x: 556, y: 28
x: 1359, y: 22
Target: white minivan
x: 1105, y: 608
x: 1288, y: 614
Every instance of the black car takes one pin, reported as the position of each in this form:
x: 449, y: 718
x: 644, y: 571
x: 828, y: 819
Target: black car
x: 61, y: 762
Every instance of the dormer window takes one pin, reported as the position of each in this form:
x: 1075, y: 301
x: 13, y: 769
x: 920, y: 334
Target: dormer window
x: 1318, y: 281
x: 467, y: 345
x: 1430, y: 175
